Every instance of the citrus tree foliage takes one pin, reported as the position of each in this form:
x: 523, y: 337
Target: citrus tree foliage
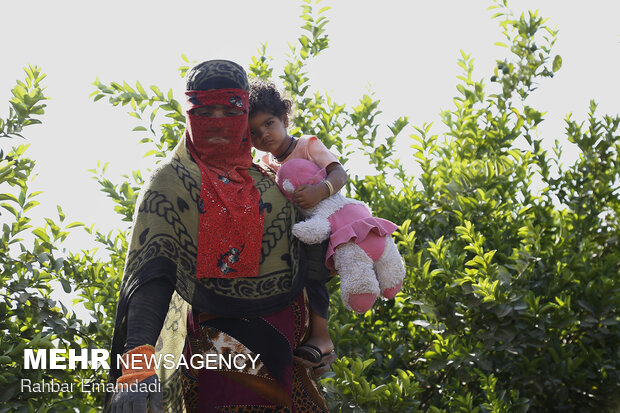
x: 512, y: 293
x: 511, y: 296
x: 32, y: 265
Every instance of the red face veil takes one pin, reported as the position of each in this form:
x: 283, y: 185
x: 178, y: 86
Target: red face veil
x: 230, y: 226
x: 236, y: 152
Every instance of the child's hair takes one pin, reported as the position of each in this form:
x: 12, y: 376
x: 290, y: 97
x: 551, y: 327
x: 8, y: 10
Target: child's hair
x: 264, y: 97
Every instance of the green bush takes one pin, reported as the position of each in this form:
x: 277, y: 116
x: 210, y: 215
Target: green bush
x: 34, y: 264
x: 512, y: 295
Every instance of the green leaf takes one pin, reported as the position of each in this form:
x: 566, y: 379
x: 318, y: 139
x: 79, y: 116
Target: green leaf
x: 61, y: 214
x: 66, y: 286
x: 141, y: 90
x: 421, y: 323
x: 557, y: 63
x: 10, y: 208
x: 40, y: 233
x: 8, y: 197
x: 157, y: 92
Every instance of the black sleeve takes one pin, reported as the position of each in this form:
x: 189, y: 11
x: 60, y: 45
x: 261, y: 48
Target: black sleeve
x: 148, y: 305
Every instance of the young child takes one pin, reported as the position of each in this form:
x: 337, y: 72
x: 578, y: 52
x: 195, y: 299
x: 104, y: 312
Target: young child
x: 268, y: 124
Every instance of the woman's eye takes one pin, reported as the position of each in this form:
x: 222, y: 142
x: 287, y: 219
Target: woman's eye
x: 269, y: 123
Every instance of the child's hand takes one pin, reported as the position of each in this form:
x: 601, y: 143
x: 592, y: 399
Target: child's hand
x: 307, y: 196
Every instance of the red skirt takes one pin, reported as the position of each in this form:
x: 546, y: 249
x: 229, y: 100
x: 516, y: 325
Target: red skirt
x: 250, y: 363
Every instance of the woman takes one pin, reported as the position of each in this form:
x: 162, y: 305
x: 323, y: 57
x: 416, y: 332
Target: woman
x: 212, y: 268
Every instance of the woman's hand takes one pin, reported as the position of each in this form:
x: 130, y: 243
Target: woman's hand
x: 138, y: 387
x: 139, y: 398
x: 307, y: 196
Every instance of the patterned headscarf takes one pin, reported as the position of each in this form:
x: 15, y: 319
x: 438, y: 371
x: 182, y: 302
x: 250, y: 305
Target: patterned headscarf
x: 230, y: 226
x: 216, y: 74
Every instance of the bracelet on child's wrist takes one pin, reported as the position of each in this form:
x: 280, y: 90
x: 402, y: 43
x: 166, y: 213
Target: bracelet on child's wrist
x: 330, y: 187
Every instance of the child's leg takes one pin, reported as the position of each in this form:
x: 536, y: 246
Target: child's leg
x: 318, y: 297
x: 319, y: 333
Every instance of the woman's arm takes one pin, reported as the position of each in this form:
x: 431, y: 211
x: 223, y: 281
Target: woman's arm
x: 147, y: 311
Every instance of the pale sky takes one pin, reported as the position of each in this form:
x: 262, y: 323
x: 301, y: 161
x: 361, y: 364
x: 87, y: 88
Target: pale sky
x: 405, y: 51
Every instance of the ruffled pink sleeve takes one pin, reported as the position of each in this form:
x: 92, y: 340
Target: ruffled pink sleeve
x: 319, y: 154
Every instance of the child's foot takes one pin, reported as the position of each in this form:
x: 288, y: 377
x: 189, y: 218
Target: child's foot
x: 319, y: 367
x: 314, y: 349
x: 324, y: 344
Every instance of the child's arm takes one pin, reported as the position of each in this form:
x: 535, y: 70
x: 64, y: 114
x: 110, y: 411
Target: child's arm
x: 307, y: 196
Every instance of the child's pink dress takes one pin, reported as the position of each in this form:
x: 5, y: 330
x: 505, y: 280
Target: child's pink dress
x: 308, y: 147
x: 353, y: 222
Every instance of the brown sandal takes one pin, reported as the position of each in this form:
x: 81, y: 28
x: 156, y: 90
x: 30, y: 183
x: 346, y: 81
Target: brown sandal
x: 309, y: 353
x: 310, y: 356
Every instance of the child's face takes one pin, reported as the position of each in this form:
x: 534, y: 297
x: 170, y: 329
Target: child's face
x: 269, y: 132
